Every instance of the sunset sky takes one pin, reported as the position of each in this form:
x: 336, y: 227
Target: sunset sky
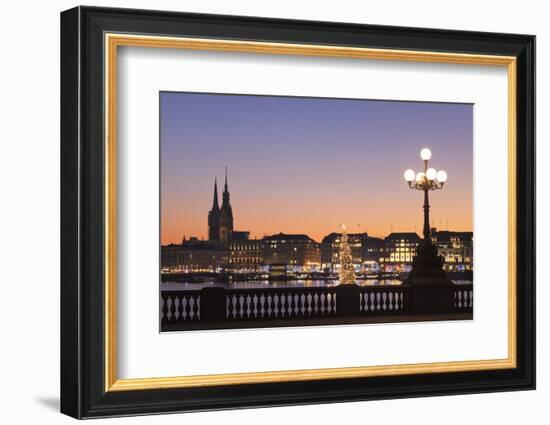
x: 306, y: 165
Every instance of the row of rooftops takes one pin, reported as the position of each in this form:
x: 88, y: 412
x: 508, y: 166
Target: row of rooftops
x: 439, y: 236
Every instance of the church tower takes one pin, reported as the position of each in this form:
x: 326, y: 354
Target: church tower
x: 214, y: 217
x: 226, y: 216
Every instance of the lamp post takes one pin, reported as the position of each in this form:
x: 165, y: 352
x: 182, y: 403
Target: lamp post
x: 426, y: 180
x: 427, y: 265
x: 431, y: 290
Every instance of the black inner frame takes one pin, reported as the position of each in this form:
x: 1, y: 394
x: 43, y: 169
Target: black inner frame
x: 82, y: 206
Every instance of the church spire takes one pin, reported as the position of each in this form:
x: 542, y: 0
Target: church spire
x: 226, y: 215
x: 225, y: 187
x: 215, y: 202
x: 214, y: 216
x: 225, y: 195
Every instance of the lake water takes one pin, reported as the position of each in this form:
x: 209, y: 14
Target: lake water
x: 258, y: 284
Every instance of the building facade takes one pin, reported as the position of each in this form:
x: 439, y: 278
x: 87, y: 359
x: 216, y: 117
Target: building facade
x: 330, y: 251
x: 371, y: 253
x: 245, y: 255
x: 194, y: 255
x: 299, y: 252
x: 398, y: 251
x: 456, y: 248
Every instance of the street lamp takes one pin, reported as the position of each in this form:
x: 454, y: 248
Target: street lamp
x: 426, y: 180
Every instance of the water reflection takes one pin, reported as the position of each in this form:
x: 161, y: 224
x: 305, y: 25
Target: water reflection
x: 259, y: 284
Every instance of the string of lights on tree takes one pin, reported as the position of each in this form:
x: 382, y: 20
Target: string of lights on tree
x: 347, y: 271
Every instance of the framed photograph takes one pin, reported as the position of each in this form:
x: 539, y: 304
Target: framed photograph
x: 261, y: 212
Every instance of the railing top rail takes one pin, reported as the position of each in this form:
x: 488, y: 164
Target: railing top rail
x: 179, y: 292
x: 381, y: 288
x: 286, y: 289
x: 464, y: 285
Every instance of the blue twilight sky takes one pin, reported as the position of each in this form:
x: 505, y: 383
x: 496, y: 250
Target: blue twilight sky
x: 306, y: 165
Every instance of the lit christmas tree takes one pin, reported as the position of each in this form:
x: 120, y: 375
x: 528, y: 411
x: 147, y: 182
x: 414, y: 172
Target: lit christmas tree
x: 347, y: 272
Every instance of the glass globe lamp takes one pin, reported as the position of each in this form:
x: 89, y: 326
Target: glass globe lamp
x: 409, y: 175
x: 441, y: 176
x: 425, y: 154
x: 431, y: 174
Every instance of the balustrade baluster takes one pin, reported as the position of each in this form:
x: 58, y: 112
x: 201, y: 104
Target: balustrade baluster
x: 194, y: 307
x: 191, y: 308
x: 255, y: 306
x: 371, y: 299
x: 198, y: 307
x: 235, y: 306
x: 177, y: 313
x: 227, y: 307
x: 269, y: 305
x: 397, y: 301
x: 248, y: 303
x: 275, y: 305
x: 164, y: 308
x: 240, y: 303
x: 170, y: 308
x: 290, y: 305
x: 262, y: 301
x: 184, y: 307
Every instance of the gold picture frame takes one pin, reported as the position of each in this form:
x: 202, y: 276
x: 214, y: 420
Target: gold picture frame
x: 114, y: 41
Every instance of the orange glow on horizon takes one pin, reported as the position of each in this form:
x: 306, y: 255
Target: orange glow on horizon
x: 378, y: 219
